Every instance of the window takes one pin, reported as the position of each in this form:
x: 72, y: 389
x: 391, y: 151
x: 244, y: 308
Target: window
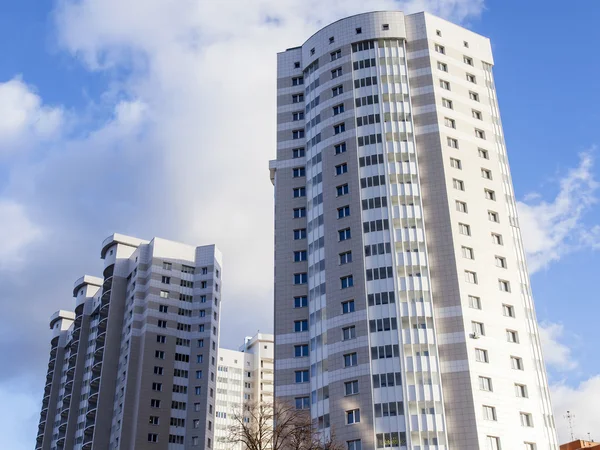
x: 300, y: 278
x: 341, y: 169
x: 512, y: 336
x: 345, y: 258
x: 297, y: 65
x: 442, y: 66
x: 336, y: 55
x: 490, y: 195
x: 195, y: 441
x: 461, y: 206
x: 198, y: 374
x: 351, y: 387
x: 516, y: 363
x: 302, y: 376
x: 467, y: 253
x: 338, y: 109
x: 474, y: 302
x: 297, y: 81
x: 154, y: 420
x: 483, y: 153
x: 530, y: 446
x: 344, y: 234
x: 485, y: 384
x: 348, y: 333
x: 344, y: 211
x: 359, y: 30
x: 347, y: 281
x: 157, y: 387
x: 340, y: 148
x: 479, y: 133
x: 163, y: 308
x: 302, y: 402
x: 298, y: 153
x: 471, y: 78
x: 500, y: 262
x: 336, y: 73
x: 337, y: 91
x: 504, y: 285
x: 489, y: 413
x: 445, y: 85
x: 199, y: 359
x: 347, y: 306
x: 297, y: 134
x: 300, y: 255
x: 300, y: 302
x: 300, y: 350
x: 300, y: 325
x: 350, y: 359
x: 487, y: 174
x: 152, y: 437
x: 451, y: 123
x: 447, y: 103
x: 166, y: 280
x: 453, y: 143
x: 521, y: 390
x: 477, y: 114
x: 464, y: 229
x: 481, y: 355
x: 458, y: 184
x: 493, y: 216
x: 298, y: 172
x: 474, y: 96
x: 340, y: 128
x: 468, y: 60
x: 353, y: 416
x: 167, y: 265
x: 526, y: 419
x: 161, y: 339
x: 438, y: 33
x: 299, y: 192
x: 164, y: 294
x: 154, y: 403
x: 158, y: 370
x: 478, y: 328
x: 300, y: 234
x: 298, y: 116
x: 297, y: 98
x: 455, y: 163
x: 493, y: 443
x: 508, y: 310
x: 342, y: 190
x: 497, y: 239
x: 440, y: 49
x: 331, y: 39
x: 299, y: 213
x: 162, y: 324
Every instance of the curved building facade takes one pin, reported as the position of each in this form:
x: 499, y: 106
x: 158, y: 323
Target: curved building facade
x: 403, y: 311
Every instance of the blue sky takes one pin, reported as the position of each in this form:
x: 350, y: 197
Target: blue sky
x: 115, y: 116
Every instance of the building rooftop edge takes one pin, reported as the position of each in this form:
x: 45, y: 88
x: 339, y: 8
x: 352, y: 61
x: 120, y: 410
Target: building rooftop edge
x: 59, y: 315
x: 86, y: 279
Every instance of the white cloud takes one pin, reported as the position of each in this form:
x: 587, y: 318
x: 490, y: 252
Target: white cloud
x: 23, y: 117
x: 17, y: 232
x: 582, y: 401
x: 556, y: 355
x: 552, y: 229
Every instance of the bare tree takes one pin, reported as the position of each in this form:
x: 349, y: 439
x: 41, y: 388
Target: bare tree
x: 280, y: 426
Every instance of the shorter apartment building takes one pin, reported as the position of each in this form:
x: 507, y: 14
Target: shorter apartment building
x: 243, y: 377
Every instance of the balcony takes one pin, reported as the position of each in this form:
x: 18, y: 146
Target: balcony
x: 97, y: 367
x: 410, y: 235
x: 61, y: 441
x: 419, y: 336
x: 69, y: 387
x: 93, y: 398
x: 411, y: 259
x: 405, y: 189
x: 91, y: 414
x: 49, y: 377
x: 41, y: 428
x: 107, y: 284
x: 102, y: 324
x: 417, y: 309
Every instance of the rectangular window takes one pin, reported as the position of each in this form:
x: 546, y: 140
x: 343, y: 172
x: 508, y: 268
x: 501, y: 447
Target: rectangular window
x: 300, y: 234
x: 485, y: 384
x: 504, y: 285
x: 489, y: 194
x: 474, y: 96
x: 341, y: 169
x: 530, y: 446
x: 338, y: 109
x: 445, y: 85
x: 347, y: 306
x: 348, y: 333
x: 302, y: 402
x: 521, y: 390
x: 508, y: 310
x: 489, y: 413
x: 302, y: 376
x: 297, y: 134
x: 336, y: 55
x: 342, y: 190
x: 300, y: 255
x: 453, y: 143
x: 351, y: 387
x: 300, y: 278
x: 161, y: 339
x: 500, y: 262
x: 464, y: 229
x: 479, y: 133
x: 298, y: 172
x: 297, y: 98
x: 450, y: 123
x: 474, y: 302
x: 152, y: 437
x: 166, y: 280
x: 164, y: 294
x: 526, y: 420
x: 467, y: 252
x: 461, y: 206
x: 497, y: 239
x: 487, y: 174
x: 154, y: 420
x: 477, y: 114
x: 345, y: 258
x: 458, y: 184
x: 483, y: 153
x: 298, y: 153
x: 163, y: 308
x: 158, y: 370
x: 353, y: 416
x: 468, y: 60
x: 301, y: 302
x: 516, y: 363
x: 447, y: 103
x: 347, y: 281
x: 512, y: 336
x: 162, y: 324
x: 344, y: 211
x: 478, y: 328
x: 440, y: 49
x: 297, y: 81
x: 493, y: 216
x: 299, y: 213
x: 300, y: 325
x: 340, y: 148
x: 338, y: 90
x: 299, y: 192
x: 344, y: 234
x: 336, y: 73
x: 493, y: 443
x: 481, y: 355
x: 455, y: 163
x: 300, y: 350
x: 442, y: 66
x: 350, y: 359
x: 471, y: 78
x: 299, y: 115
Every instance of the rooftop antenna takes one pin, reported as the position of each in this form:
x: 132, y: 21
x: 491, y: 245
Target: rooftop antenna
x: 569, y: 416
x: 590, y: 437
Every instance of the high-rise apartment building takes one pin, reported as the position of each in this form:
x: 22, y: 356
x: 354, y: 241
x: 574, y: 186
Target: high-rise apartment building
x: 244, y: 378
x: 134, y: 366
x: 403, y: 309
